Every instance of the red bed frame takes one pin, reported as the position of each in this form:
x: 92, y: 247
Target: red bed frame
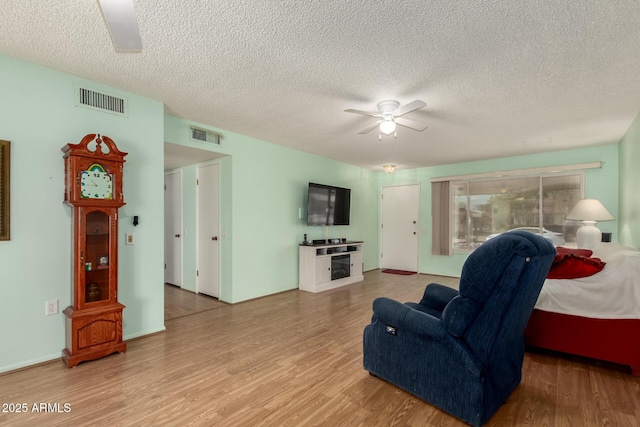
x: 612, y: 340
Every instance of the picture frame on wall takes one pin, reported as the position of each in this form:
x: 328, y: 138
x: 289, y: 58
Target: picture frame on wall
x: 5, y: 187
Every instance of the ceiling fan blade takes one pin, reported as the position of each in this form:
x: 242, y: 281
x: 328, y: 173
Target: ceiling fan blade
x: 409, y: 107
x: 122, y: 24
x: 365, y: 113
x: 370, y: 128
x: 411, y: 124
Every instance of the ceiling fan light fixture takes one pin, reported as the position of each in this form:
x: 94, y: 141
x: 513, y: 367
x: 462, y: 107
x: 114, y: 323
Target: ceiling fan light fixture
x: 388, y: 126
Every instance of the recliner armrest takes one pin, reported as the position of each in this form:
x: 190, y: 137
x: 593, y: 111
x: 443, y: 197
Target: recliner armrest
x: 410, y: 321
x: 437, y: 296
x: 403, y: 317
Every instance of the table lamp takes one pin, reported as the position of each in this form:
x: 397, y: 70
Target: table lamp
x: 589, y: 211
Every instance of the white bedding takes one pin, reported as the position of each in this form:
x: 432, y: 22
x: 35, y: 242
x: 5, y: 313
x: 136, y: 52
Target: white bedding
x: 613, y: 293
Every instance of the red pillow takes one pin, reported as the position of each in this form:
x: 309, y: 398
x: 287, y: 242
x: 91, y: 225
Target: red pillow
x: 580, y: 252
x: 570, y: 266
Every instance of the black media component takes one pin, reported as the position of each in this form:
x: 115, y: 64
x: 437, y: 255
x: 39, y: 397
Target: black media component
x: 340, y: 266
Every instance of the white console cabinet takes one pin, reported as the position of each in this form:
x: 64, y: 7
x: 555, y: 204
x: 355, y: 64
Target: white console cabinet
x: 328, y: 266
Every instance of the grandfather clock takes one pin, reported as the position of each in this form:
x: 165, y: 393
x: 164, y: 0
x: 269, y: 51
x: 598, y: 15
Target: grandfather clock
x: 93, y: 190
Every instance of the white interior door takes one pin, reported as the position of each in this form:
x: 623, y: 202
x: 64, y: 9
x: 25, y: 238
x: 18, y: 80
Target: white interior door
x: 400, y: 206
x: 208, y: 225
x: 173, y: 228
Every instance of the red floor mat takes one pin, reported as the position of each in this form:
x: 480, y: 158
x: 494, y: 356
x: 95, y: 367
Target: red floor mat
x: 400, y: 272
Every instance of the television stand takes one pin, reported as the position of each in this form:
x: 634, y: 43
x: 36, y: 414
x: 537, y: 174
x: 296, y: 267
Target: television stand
x: 328, y: 266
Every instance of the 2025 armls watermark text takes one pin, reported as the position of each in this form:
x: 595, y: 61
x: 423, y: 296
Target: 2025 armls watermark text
x: 36, y: 407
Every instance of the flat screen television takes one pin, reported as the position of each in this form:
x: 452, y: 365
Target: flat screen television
x: 328, y: 205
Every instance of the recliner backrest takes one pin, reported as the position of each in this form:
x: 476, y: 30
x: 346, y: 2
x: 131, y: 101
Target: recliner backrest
x: 499, y: 285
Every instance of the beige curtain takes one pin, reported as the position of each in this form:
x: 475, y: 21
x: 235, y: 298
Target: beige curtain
x: 440, y: 202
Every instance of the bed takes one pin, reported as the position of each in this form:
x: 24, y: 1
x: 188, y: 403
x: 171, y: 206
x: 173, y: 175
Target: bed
x: 596, y: 316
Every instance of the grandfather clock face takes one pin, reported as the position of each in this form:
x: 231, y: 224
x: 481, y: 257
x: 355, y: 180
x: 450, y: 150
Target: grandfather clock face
x: 96, y: 183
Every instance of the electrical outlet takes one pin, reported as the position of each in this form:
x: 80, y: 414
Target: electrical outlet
x: 128, y: 239
x: 51, y: 307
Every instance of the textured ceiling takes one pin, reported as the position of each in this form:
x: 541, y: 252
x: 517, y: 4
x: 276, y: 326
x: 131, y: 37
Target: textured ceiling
x: 493, y: 73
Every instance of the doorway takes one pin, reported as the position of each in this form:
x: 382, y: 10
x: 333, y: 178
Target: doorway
x: 185, y: 300
x: 400, y: 208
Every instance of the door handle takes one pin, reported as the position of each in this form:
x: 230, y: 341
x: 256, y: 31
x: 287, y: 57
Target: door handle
x: 214, y: 238
x: 177, y: 235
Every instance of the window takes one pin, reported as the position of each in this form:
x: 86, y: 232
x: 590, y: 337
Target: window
x: 484, y: 208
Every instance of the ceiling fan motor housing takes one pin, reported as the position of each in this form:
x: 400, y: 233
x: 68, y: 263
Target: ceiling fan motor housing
x: 386, y: 108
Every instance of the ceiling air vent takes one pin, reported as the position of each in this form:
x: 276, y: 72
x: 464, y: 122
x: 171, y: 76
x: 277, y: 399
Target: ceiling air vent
x: 95, y: 100
x: 205, y: 135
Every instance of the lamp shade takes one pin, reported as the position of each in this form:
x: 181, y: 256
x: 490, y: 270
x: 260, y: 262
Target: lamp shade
x: 589, y: 210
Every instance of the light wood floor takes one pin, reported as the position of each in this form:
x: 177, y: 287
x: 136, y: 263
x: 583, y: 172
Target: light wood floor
x: 179, y: 302
x: 294, y: 359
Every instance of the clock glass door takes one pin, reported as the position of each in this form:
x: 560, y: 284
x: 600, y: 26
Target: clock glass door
x: 96, y: 259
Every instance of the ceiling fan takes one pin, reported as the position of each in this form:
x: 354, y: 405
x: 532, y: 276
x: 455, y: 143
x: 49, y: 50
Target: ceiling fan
x: 389, y: 115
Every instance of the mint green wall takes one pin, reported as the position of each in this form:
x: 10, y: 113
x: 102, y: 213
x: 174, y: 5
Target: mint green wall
x: 629, y: 178
x: 38, y: 116
x: 600, y: 184
x: 263, y: 210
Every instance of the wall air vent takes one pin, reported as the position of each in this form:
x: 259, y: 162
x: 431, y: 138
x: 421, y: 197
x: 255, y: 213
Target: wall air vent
x: 205, y: 135
x: 101, y: 101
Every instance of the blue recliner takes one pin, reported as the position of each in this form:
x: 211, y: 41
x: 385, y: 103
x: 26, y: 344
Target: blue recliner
x: 463, y: 351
